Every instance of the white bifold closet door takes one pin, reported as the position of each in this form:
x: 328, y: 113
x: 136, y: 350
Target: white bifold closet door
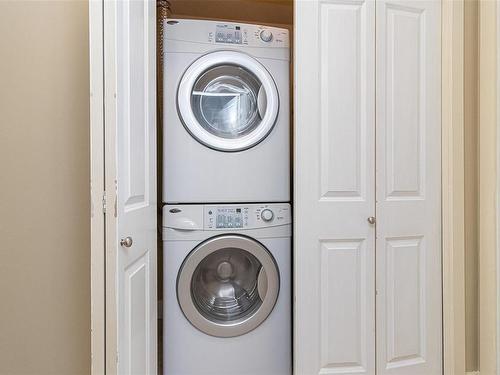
x: 130, y: 61
x: 408, y: 187
x: 367, y: 144
x: 334, y: 187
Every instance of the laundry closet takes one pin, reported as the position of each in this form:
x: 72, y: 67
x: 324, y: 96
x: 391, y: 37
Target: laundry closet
x: 226, y: 190
x: 339, y: 270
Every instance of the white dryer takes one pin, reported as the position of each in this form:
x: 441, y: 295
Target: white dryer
x: 226, y: 113
x: 227, y: 289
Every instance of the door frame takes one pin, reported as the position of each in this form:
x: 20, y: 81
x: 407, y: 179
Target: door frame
x: 97, y: 190
x: 110, y: 176
x: 489, y: 187
x: 498, y: 187
x: 104, y: 247
x: 453, y: 168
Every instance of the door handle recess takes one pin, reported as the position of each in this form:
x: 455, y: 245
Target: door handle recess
x: 126, y: 242
x: 262, y: 102
x: 262, y: 283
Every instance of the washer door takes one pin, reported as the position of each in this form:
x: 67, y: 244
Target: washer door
x: 228, y: 101
x: 228, y: 285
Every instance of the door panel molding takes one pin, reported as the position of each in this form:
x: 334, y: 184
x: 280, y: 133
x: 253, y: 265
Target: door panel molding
x: 405, y: 261
x: 405, y: 115
x: 343, y: 108
x: 343, y: 274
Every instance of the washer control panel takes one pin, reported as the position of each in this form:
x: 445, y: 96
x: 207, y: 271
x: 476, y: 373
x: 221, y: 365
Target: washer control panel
x: 227, y: 217
x: 248, y: 216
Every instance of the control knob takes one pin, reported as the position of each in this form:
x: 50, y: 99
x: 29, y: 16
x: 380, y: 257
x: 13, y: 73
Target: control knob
x: 266, y: 35
x: 267, y: 214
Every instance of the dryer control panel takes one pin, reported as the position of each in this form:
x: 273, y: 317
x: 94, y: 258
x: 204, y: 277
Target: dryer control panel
x: 230, y: 34
x: 248, y: 216
x: 251, y: 35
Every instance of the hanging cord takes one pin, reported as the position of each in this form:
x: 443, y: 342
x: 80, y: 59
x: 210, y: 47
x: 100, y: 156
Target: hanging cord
x: 163, y: 12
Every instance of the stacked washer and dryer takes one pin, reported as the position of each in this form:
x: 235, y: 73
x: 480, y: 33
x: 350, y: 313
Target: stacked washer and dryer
x: 227, y: 218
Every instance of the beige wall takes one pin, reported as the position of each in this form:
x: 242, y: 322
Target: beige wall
x: 44, y: 187
x: 487, y: 187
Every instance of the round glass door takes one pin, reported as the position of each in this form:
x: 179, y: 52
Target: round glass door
x: 228, y: 285
x: 224, y: 101
x: 228, y: 101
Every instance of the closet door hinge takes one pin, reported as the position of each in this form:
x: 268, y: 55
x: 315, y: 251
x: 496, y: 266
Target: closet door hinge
x: 104, y: 203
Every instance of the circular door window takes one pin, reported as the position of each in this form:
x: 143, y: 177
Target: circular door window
x: 228, y: 101
x: 228, y: 285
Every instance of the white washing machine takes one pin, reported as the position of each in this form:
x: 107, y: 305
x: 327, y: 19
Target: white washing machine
x: 227, y: 289
x: 226, y: 113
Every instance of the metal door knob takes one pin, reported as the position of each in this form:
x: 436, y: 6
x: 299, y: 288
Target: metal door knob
x: 372, y: 220
x: 126, y: 242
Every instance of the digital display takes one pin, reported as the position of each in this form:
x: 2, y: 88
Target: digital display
x: 228, y: 34
x: 229, y: 218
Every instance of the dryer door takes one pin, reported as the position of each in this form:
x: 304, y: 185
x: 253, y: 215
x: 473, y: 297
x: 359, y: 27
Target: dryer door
x: 228, y: 101
x: 228, y: 285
